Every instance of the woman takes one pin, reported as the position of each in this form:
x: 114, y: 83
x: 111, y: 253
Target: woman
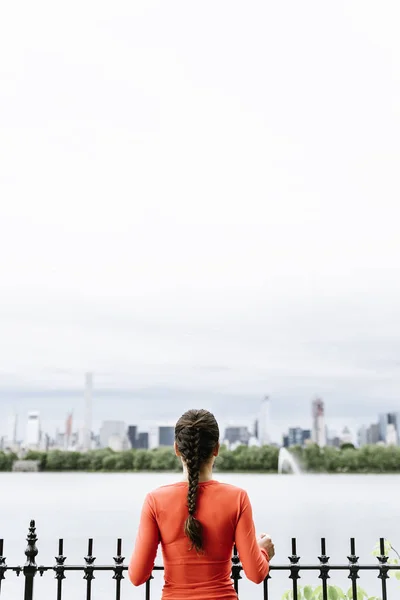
x: 197, y: 522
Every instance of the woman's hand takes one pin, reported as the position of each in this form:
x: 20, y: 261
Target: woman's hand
x: 266, y: 543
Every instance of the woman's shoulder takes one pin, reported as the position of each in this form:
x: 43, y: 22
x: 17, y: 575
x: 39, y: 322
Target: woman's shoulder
x: 214, y: 485
x: 167, y: 489
x: 232, y: 490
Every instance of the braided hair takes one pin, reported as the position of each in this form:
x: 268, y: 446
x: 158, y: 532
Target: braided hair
x: 196, y: 436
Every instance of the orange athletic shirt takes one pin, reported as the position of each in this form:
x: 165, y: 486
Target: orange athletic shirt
x: 226, y: 516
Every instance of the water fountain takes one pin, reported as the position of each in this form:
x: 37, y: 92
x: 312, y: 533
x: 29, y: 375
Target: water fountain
x: 287, y: 463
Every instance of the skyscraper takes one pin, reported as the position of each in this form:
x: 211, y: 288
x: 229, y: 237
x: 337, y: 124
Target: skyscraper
x: 161, y: 435
x: 295, y: 436
x: 32, y: 439
x: 68, y: 431
x: 255, y: 430
x: 383, y: 422
x: 318, y: 428
x: 143, y: 440
x: 87, y: 429
x: 264, y: 423
x: 373, y: 433
x: 362, y: 436
x: 389, y: 428
x: 235, y: 434
x: 166, y: 436
x: 12, y: 431
x: 132, y: 435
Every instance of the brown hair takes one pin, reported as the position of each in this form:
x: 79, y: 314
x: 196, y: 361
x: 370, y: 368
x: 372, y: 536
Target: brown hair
x: 196, y: 436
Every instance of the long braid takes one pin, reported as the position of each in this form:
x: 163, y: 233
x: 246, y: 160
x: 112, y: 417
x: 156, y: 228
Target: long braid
x: 193, y: 528
x: 196, y: 437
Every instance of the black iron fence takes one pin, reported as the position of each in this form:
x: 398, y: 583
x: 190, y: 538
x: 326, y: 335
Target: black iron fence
x: 30, y: 570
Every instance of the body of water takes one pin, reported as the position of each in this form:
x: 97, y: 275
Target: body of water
x: 77, y: 506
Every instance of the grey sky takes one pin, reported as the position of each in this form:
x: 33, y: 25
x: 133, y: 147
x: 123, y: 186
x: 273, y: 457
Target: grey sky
x: 199, y: 202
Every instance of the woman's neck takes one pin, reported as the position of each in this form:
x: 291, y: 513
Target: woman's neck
x: 206, y: 474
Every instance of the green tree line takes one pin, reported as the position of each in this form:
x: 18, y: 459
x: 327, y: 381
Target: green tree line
x: 369, y: 459
x: 6, y: 461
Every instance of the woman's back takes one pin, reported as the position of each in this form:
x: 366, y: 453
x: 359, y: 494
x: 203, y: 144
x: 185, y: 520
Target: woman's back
x: 225, y: 514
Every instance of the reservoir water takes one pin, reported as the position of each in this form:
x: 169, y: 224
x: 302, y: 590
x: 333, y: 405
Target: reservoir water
x: 76, y: 506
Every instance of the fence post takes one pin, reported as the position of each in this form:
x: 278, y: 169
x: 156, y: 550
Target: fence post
x: 383, y: 561
x: 3, y: 566
x: 294, y: 568
x: 30, y: 568
x: 59, y: 568
x: 88, y: 570
x: 119, y: 569
x: 353, y: 567
x: 324, y: 571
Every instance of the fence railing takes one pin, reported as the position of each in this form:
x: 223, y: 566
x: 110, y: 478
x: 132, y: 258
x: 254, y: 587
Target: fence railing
x: 60, y: 568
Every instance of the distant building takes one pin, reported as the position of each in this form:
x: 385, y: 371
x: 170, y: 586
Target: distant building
x: 87, y: 429
x: 32, y: 439
x: 166, y: 436
x: 332, y: 439
x: 72, y: 442
x: 391, y: 435
x: 82, y: 439
x: 68, y: 431
x: 389, y: 428
x: 373, y: 434
x: 255, y: 429
x: 143, y: 440
x: 118, y: 443
x: 264, y: 425
x: 384, y: 419
x: 154, y: 438
x: 296, y: 437
x: 362, y: 436
x: 11, y: 437
x: 161, y: 436
x: 238, y: 434
x: 44, y: 442
x: 382, y: 424
x: 132, y: 435
x: 346, y: 437
x: 111, y: 429
x: 318, y: 429
x: 59, y: 441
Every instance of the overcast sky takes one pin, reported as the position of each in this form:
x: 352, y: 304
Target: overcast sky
x: 200, y: 203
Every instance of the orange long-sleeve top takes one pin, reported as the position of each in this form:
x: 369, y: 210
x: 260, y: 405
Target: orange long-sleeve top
x: 226, y: 516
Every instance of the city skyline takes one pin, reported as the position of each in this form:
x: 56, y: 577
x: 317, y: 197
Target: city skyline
x: 274, y: 431
x: 119, y: 435
x: 278, y: 428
